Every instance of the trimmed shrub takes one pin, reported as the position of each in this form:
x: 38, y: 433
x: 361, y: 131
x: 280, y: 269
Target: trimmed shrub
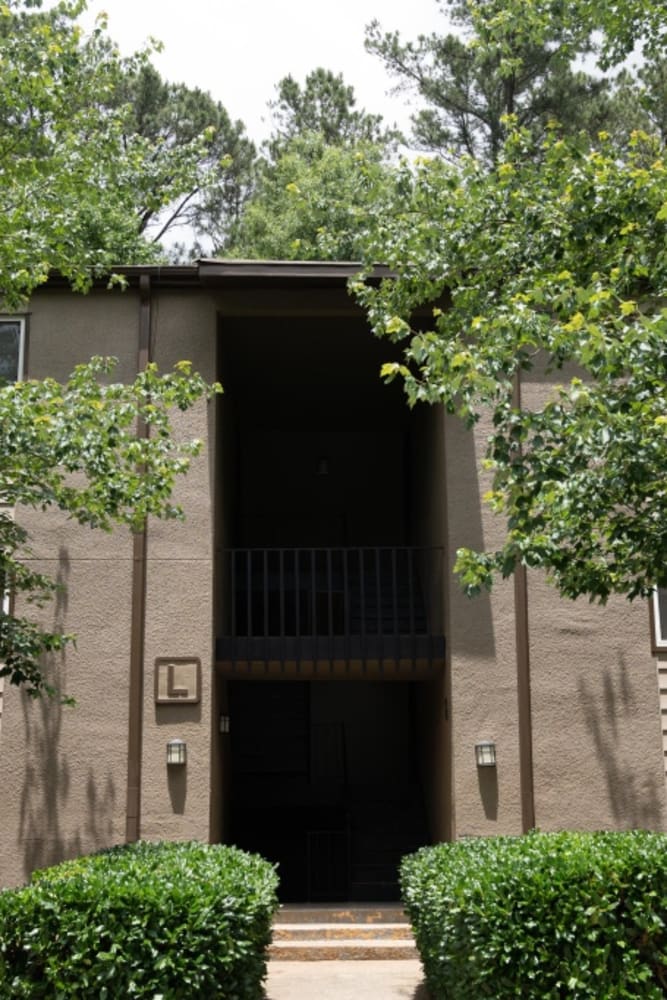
x: 565, y: 915
x: 163, y: 921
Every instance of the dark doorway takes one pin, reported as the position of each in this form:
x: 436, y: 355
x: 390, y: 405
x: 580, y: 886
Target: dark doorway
x: 324, y: 781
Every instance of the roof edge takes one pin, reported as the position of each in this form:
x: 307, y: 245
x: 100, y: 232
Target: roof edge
x: 220, y: 271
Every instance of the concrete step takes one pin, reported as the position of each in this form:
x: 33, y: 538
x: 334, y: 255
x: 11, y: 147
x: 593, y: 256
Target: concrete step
x: 340, y: 932
x: 355, y: 933
x: 342, y: 951
x: 340, y: 913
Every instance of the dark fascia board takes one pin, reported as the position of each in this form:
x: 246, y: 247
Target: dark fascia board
x: 176, y: 275
x: 214, y: 271
x: 244, y: 275
x: 339, y: 271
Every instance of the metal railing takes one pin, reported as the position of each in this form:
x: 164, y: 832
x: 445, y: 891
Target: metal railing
x: 335, y: 603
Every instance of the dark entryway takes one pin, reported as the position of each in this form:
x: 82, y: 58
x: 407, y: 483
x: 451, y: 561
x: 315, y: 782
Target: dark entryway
x: 329, y: 624
x: 325, y: 782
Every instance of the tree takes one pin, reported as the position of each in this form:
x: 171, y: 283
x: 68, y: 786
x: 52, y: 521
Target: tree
x: 325, y: 106
x: 74, y: 447
x: 317, y: 181
x: 640, y: 101
x: 554, y: 260
x: 173, y: 117
x: 312, y: 203
x: 470, y: 86
x: 76, y: 184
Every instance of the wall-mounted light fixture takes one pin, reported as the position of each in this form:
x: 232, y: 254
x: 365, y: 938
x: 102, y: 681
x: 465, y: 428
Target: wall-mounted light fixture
x: 485, y: 753
x: 322, y: 467
x: 177, y: 752
x: 224, y: 724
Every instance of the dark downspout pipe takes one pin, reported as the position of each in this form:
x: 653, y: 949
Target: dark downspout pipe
x: 525, y: 721
x: 138, y: 620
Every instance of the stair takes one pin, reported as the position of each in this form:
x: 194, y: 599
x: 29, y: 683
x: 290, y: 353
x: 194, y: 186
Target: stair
x: 312, y: 933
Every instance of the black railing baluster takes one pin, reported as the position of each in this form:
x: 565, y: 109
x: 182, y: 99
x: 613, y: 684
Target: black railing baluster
x: 362, y: 593
x: 346, y: 606
x: 313, y: 602
x: 249, y: 603
x: 374, y: 603
x: 266, y: 605
x: 297, y: 604
x: 394, y: 592
x: 411, y: 604
x: 281, y: 606
x: 330, y: 608
x: 232, y: 563
x: 378, y: 599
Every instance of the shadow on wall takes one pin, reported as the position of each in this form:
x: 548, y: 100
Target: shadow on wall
x: 471, y: 618
x: 488, y: 790
x: 47, y: 832
x: 609, y: 705
x: 421, y: 993
x: 174, y: 716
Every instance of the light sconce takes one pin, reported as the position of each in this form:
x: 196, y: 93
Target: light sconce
x: 177, y: 752
x: 485, y: 753
x: 224, y: 724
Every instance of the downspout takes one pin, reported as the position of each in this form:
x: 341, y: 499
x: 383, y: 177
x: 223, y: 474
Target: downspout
x: 525, y: 722
x: 138, y: 619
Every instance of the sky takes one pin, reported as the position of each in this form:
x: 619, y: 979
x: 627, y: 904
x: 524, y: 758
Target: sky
x: 239, y: 49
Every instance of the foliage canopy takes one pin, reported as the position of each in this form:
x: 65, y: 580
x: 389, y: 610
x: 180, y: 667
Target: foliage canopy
x: 555, y: 263
x: 145, y: 920
x: 324, y: 162
x: 547, y: 915
x: 75, y: 183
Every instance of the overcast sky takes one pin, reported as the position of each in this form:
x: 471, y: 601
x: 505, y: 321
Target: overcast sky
x: 239, y: 49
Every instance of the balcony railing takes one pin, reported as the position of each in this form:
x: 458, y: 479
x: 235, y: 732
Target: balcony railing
x: 332, y: 603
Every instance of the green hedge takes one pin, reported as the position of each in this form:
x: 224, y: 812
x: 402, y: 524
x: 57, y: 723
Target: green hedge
x: 163, y: 921
x: 566, y: 915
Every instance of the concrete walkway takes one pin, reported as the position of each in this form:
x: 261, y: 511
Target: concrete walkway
x: 341, y: 980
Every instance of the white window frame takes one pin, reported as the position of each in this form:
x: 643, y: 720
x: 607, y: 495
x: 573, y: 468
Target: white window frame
x: 658, y: 620
x: 22, y: 328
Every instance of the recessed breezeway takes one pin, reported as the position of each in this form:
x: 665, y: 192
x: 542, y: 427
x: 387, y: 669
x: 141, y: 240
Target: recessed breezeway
x: 325, y: 781
x: 329, y: 598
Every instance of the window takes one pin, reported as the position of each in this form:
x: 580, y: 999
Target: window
x: 12, y: 348
x: 659, y: 619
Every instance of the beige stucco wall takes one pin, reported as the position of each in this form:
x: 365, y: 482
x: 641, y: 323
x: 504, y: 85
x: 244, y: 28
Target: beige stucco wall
x: 65, y: 792
x: 179, y: 592
x: 596, y: 729
x: 65, y: 768
x: 482, y: 659
x: 597, y: 739
x: 597, y: 752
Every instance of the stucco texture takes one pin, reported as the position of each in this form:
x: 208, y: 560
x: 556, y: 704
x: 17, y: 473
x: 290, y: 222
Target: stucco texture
x: 179, y: 593
x: 597, y: 745
x: 65, y: 767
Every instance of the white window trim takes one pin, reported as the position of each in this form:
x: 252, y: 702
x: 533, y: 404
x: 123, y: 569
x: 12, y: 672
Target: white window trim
x: 659, y: 628
x: 22, y: 325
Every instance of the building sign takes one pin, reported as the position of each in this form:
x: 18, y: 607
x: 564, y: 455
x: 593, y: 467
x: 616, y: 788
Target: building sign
x: 177, y: 680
